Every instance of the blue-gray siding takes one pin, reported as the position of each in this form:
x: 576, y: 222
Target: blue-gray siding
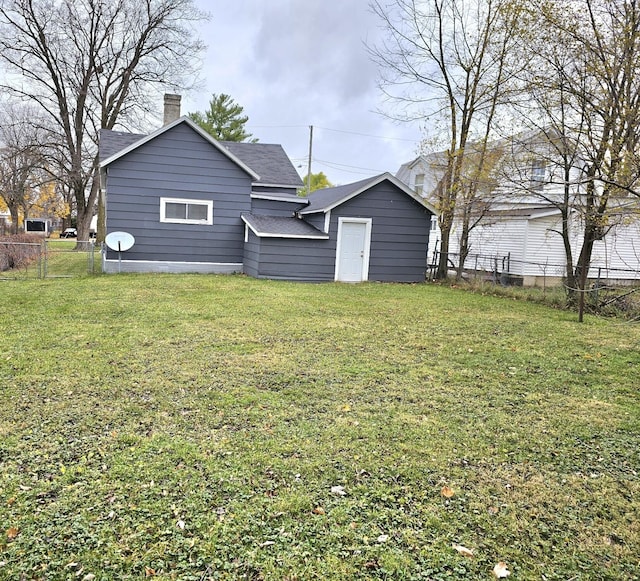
x: 275, y: 207
x: 399, y: 241
x: 178, y: 164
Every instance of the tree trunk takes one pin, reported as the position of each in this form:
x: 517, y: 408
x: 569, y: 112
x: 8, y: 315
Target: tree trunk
x: 582, y: 269
x: 464, y: 245
x: 443, y: 258
x: 15, y: 217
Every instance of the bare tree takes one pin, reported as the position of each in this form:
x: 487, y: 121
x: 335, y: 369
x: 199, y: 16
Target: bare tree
x: 91, y: 64
x: 22, y: 163
x: 445, y: 59
x: 589, y: 107
x: 477, y: 193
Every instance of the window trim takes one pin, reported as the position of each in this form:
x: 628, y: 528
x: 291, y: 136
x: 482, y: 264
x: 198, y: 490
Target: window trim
x: 187, y: 201
x: 538, y: 173
x: 418, y: 183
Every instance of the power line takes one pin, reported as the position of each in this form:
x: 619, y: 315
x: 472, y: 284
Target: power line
x: 354, y: 171
x: 337, y: 165
x: 366, y: 134
x: 252, y: 127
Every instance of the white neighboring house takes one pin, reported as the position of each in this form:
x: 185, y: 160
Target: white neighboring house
x: 518, y: 237
x: 422, y: 175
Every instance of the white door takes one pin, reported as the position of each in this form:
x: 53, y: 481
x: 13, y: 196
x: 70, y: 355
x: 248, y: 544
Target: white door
x: 352, y: 258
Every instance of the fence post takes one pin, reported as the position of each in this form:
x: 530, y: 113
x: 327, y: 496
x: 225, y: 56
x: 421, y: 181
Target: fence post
x: 90, y: 258
x: 40, y: 259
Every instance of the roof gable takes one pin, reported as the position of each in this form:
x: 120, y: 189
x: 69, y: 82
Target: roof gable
x: 118, y: 137
x: 326, y: 199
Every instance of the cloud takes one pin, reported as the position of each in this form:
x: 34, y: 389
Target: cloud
x: 295, y: 63
x: 315, y: 46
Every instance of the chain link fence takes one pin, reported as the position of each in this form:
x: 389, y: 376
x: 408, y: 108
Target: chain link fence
x: 29, y: 257
x: 504, y: 269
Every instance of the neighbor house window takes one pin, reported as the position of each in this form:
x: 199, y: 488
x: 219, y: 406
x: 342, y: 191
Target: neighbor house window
x: 180, y: 211
x: 538, y: 174
x: 419, y: 183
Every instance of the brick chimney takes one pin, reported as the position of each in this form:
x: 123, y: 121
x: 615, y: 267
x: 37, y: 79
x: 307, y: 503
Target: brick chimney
x: 171, y: 108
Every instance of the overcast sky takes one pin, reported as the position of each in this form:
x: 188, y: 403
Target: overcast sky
x: 296, y: 63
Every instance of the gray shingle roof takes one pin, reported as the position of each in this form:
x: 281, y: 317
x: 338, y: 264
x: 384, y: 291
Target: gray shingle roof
x: 268, y: 160
x: 114, y: 141
x: 281, y: 227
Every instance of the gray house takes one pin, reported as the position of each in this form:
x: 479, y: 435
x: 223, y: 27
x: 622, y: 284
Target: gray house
x: 194, y: 204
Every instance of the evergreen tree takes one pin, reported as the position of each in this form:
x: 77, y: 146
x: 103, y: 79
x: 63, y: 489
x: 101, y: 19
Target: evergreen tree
x: 223, y: 120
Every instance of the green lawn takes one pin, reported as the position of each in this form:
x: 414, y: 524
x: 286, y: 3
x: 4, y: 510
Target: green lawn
x: 211, y: 427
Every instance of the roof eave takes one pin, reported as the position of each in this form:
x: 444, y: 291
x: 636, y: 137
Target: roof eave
x: 282, y: 198
x: 267, y: 185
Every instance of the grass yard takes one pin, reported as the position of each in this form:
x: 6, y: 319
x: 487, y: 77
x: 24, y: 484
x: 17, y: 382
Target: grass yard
x: 219, y: 427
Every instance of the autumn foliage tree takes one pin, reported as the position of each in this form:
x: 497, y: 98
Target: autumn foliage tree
x: 22, y: 163
x: 318, y: 181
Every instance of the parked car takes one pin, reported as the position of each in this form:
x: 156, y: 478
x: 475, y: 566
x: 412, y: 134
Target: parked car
x: 69, y: 233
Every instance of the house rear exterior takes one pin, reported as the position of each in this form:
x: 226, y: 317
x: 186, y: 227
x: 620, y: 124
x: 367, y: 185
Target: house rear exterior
x: 194, y: 204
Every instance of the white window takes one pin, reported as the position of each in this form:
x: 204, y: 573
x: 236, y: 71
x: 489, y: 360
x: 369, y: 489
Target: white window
x: 538, y: 174
x: 419, y: 185
x: 181, y: 211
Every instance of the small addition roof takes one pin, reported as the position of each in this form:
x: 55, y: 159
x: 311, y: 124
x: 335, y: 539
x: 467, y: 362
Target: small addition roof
x: 281, y: 227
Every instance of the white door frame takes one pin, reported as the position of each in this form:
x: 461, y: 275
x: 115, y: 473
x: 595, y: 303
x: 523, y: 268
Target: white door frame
x: 367, y: 246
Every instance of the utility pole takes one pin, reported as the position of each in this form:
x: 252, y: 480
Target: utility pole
x: 309, y: 166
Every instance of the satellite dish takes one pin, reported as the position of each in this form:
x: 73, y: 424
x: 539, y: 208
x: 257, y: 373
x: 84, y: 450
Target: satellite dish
x: 120, y: 241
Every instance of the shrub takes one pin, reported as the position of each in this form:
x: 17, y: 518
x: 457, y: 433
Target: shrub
x: 19, y: 251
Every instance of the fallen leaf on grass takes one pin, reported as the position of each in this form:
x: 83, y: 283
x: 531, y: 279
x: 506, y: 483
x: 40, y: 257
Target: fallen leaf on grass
x: 180, y: 524
x: 501, y: 571
x: 339, y: 490
x: 12, y: 533
x: 383, y: 538
x: 318, y: 510
x: 267, y: 544
x: 149, y: 572
x: 11, y: 500
x: 447, y: 492
x: 463, y: 550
